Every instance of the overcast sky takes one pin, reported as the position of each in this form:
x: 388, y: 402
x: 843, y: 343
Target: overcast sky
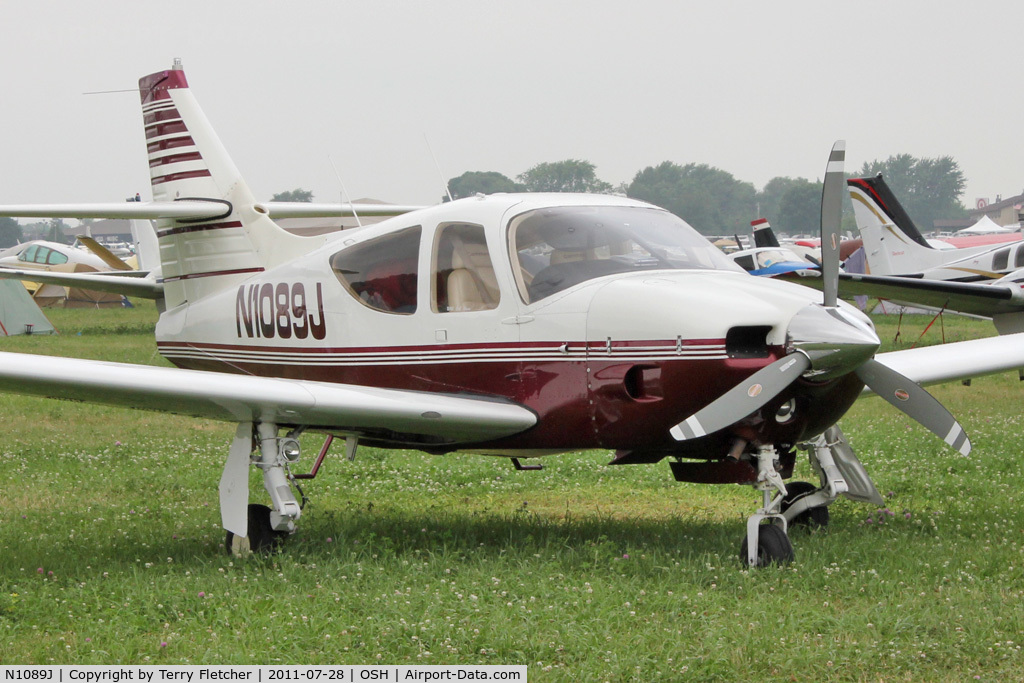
x: 758, y: 89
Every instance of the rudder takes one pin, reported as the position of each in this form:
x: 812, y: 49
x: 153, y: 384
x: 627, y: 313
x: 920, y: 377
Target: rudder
x: 188, y: 161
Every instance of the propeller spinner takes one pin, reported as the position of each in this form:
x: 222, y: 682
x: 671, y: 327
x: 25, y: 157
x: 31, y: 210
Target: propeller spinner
x: 824, y: 342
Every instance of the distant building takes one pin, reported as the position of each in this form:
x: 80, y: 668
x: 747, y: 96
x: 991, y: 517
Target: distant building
x: 105, y: 230
x: 1002, y: 211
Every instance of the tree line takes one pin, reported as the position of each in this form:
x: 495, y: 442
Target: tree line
x: 708, y: 198
x: 717, y: 203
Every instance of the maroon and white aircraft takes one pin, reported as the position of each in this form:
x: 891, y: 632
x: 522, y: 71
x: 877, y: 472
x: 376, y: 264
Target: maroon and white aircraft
x: 516, y: 325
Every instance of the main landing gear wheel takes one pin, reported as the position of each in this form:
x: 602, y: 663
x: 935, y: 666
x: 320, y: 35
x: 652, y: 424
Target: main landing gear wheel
x: 262, y: 538
x: 773, y: 546
x: 812, y: 518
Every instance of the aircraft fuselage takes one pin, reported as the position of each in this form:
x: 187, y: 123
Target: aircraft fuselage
x: 613, y: 361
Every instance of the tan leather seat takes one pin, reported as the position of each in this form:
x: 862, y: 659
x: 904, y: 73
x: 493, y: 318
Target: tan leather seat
x: 472, y: 285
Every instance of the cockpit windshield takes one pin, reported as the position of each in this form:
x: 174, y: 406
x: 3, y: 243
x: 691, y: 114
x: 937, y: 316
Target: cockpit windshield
x: 554, y: 249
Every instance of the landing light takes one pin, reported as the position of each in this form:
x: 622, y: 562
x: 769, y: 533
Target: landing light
x: 289, y: 449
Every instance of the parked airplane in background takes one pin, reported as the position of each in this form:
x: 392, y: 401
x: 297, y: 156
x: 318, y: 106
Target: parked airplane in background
x: 40, y: 255
x: 514, y: 325
x: 894, y: 246
x: 768, y: 258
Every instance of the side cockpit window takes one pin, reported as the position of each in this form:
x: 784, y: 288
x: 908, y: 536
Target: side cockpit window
x: 382, y: 272
x: 29, y: 254
x: 464, y: 277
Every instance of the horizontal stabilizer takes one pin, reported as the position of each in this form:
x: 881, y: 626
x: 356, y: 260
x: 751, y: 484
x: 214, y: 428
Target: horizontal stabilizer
x: 181, y: 210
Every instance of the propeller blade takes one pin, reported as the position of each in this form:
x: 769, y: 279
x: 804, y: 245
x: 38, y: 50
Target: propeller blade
x: 917, y: 403
x: 831, y: 217
x: 743, y: 399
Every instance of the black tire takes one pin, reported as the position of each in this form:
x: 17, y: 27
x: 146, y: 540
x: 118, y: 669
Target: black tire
x: 262, y: 538
x: 773, y: 546
x: 812, y: 518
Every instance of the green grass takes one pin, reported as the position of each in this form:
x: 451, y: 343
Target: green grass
x: 110, y: 551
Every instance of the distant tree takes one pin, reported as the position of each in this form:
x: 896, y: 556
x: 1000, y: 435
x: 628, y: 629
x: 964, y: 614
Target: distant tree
x: 928, y: 188
x: 296, y: 195
x: 10, y: 232
x: 483, y: 182
x: 570, y: 175
x: 55, y: 231
x: 799, y: 209
x: 709, y: 199
x: 768, y: 199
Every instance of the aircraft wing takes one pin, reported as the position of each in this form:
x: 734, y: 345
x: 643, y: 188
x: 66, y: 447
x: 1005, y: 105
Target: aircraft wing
x: 422, y: 416
x: 957, y: 360
x: 128, y: 283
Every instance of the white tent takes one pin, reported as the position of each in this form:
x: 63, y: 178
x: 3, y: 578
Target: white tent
x: 19, y: 314
x: 986, y: 226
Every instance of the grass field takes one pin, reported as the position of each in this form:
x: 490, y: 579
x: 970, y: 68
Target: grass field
x: 111, y: 551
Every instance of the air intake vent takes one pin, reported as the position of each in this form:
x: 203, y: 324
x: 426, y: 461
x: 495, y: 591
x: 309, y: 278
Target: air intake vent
x: 747, y: 342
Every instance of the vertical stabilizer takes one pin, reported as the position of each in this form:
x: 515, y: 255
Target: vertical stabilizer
x: 892, y: 243
x: 764, y: 236
x: 188, y: 161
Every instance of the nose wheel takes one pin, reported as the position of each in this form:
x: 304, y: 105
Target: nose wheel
x: 773, y: 547
x: 766, y: 541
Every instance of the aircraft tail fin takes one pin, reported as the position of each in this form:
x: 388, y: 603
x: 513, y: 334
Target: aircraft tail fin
x: 764, y: 236
x: 188, y: 161
x: 887, y: 206
x: 892, y: 243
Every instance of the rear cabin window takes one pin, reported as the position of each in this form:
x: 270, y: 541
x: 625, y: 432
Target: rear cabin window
x: 55, y: 258
x: 464, y: 277
x: 1018, y: 261
x: 382, y: 272
x: 1000, y: 260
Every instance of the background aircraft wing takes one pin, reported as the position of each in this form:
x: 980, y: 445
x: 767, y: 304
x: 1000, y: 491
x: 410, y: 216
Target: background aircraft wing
x: 972, y: 298
x: 128, y: 283
x: 415, y: 417
x: 320, y: 210
x: 986, y: 300
x: 108, y: 256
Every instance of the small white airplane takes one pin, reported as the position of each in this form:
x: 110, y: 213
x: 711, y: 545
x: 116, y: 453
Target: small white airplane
x: 513, y: 325
x: 54, y: 257
x: 767, y: 258
x: 894, y: 246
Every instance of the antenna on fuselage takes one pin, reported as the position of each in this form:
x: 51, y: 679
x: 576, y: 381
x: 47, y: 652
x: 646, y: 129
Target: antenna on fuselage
x: 344, y: 192
x: 438, y: 167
